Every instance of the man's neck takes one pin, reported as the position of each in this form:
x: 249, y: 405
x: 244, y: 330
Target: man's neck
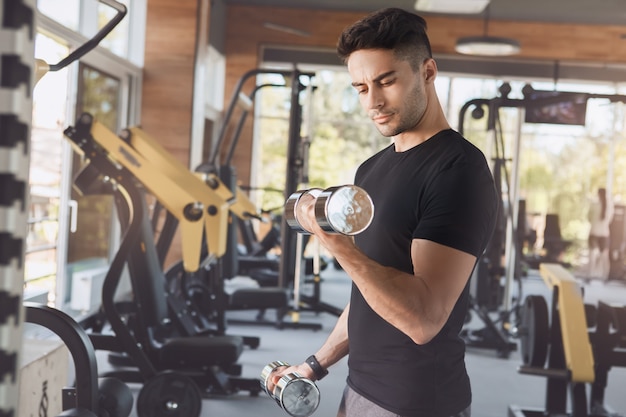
x: 411, y: 138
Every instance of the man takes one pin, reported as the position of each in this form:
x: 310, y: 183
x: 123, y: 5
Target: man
x: 435, y: 205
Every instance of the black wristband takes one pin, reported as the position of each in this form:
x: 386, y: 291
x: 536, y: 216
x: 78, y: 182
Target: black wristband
x: 318, y: 370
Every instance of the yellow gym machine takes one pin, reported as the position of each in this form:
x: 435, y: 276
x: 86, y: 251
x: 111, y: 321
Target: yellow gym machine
x: 203, y: 207
x: 200, y: 203
x: 147, y: 330
x: 581, y: 343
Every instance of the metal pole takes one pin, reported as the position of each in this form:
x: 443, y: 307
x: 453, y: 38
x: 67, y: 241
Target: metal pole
x: 295, y: 313
x: 511, y: 247
x: 17, y: 62
x: 292, y: 181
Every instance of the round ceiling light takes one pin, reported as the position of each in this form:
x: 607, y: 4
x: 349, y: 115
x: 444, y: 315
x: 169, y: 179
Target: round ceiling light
x: 487, y: 46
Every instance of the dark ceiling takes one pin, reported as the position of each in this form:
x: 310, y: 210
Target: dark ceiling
x: 611, y: 12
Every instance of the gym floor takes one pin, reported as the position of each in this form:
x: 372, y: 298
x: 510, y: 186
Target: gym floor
x: 496, y: 383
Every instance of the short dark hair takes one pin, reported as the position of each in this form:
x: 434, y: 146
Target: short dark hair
x: 393, y: 29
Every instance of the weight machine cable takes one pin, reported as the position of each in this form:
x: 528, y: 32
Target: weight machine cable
x: 499, y: 143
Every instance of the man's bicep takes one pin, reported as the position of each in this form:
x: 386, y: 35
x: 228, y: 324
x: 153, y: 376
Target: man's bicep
x: 443, y: 269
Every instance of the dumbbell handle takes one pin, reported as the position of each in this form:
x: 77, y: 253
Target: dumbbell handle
x: 291, y: 208
x: 346, y: 209
x: 267, y: 372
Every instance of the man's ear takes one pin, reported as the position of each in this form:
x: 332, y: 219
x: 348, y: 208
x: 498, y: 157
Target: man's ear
x: 430, y: 70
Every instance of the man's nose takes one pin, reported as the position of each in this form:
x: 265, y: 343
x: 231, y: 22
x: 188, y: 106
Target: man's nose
x: 375, y: 99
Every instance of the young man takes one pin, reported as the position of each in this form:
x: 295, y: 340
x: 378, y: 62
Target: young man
x: 435, y: 205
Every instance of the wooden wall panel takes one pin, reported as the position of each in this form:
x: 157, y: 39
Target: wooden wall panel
x: 170, y: 48
x: 168, y: 80
x: 544, y: 41
x: 168, y: 73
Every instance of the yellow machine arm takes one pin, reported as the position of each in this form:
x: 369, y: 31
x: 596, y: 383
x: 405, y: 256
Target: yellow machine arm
x: 240, y: 204
x: 576, y: 344
x: 201, y: 204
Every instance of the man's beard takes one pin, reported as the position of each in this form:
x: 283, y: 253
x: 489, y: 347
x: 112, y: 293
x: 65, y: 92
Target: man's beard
x: 414, y: 107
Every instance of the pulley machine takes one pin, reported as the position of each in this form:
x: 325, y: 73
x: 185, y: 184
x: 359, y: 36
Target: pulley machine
x: 290, y: 267
x: 487, y: 294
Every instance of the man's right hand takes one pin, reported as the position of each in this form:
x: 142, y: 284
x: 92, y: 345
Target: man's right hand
x: 304, y: 370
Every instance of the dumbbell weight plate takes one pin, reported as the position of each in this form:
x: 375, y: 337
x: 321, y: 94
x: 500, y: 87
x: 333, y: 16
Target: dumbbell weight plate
x: 267, y: 371
x: 297, y: 395
x: 291, y: 205
x: 346, y: 209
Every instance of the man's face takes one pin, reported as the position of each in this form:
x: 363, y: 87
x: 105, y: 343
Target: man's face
x: 389, y: 90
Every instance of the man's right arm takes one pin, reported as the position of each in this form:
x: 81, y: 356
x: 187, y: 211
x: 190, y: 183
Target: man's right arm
x: 334, y: 349
x: 336, y: 345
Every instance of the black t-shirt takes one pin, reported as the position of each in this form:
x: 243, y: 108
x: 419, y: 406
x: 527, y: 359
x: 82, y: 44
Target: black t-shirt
x: 441, y: 190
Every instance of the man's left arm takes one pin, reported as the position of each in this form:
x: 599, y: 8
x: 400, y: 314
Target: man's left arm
x: 417, y: 304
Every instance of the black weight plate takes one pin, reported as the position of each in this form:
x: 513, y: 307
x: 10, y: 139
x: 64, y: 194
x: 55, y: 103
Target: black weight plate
x: 169, y: 394
x: 114, y: 398
x: 535, y: 334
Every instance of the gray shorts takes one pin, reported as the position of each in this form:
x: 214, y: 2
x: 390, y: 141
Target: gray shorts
x: 355, y: 405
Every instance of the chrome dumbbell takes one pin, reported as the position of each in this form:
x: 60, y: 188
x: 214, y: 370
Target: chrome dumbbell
x: 297, y: 395
x: 345, y: 209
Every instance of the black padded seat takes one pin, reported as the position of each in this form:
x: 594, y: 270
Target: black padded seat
x: 261, y: 298
x: 200, y: 351
x: 266, y: 277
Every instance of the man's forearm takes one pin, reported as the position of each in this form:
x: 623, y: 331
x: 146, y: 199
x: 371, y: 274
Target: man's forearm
x: 336, y: 345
